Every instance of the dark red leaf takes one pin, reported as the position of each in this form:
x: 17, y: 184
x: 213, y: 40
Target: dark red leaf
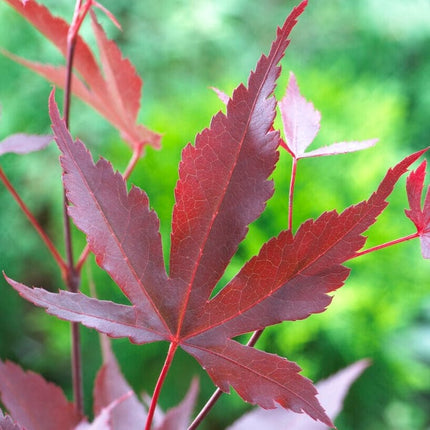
x: 24, y: 143
x: 420, y: 217
x: 114, y: 91
x: 223, y: 186
x: 48, y: 410
x: 223, y: 183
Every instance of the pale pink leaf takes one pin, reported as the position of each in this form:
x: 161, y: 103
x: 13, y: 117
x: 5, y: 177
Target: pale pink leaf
x: 301, y: 125
x: 221, y: 95
x: 300, y: 119
x: 178, y: 418
x: 340, y: 148
x: 110, y: 385
x: 24, y: 143
x: 6, y: 423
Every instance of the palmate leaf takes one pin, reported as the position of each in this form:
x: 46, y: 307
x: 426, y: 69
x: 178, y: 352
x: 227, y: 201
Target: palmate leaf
x: 301, y: 125
x: 47, y: 410
x: 223, y: 186
x: 114, y: 89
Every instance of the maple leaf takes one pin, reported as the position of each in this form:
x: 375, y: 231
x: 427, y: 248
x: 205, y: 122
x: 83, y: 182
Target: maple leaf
x: 223, y: 186
x: 17, y: 390
x: 301, y: 125
x: 26, y: 395
x: 113, y: 90
x: 420, y: 217
x: 24, y: 143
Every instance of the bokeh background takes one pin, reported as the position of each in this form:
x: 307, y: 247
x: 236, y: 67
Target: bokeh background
x: 365, y: 64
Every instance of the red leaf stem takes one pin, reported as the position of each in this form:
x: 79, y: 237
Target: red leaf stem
x: 170, y: 354
x: 291, y: 193
x: 387, y: 244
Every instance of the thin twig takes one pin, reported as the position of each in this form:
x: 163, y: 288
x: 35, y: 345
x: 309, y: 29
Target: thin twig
x: 73, y: 278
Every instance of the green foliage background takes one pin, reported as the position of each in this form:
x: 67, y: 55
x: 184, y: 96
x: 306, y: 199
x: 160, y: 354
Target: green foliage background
x: 366, y: 67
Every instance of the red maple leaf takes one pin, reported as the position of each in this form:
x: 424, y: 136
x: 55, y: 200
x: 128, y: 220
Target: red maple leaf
x: 223, y: 186
x: 114, y: 89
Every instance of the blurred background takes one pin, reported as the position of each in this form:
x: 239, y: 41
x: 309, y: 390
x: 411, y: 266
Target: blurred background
x: 364, y: 64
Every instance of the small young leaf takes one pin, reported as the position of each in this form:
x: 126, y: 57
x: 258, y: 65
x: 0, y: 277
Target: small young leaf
x: 24, y: 143
x: 301, y: 124
x: 420, y: 217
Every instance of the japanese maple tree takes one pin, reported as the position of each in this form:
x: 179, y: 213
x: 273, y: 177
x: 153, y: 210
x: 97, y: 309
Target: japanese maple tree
x: 223, y: 186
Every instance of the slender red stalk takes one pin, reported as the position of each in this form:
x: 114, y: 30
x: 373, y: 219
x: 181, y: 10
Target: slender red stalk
x: 291, y: 193
x: 161, y: 379
x: 133, y: 161
x: 51, y: 247
x: 387, y: 244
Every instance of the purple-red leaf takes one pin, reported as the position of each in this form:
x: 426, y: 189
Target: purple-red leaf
x: 110, y: 318
x: 122, y: 231
x: 223, y: 181
x: 301, y: 124
x: 113, y: 90
x: 331, y: 393
x: 420, y: 217
x: 48, y: 410
x: 291, y: 276
x: 223, y: 186
x: 24, y: 143
x: 258, y: 377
